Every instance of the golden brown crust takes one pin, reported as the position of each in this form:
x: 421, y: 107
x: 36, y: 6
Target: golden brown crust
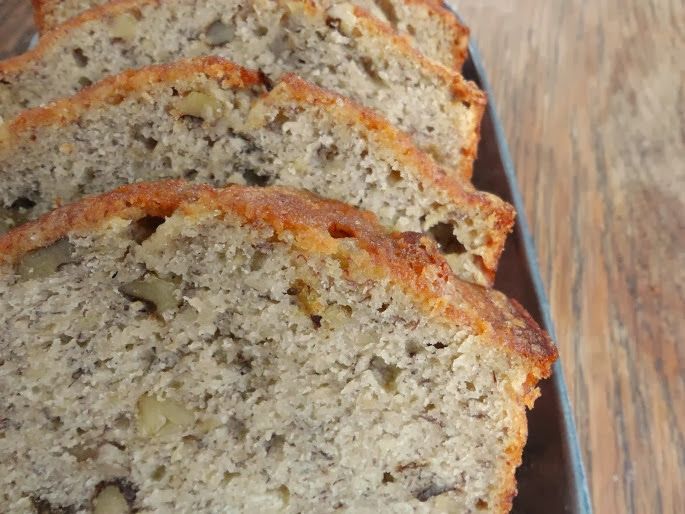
x: 460, y: 32
x: 41, y: 14
x: 230, y: 75
x: 112, y: 89
x: 411, y: 260
x: 463, y: 90
x: 461, y: 191
x: 44, y: 17
x: 46, y: 41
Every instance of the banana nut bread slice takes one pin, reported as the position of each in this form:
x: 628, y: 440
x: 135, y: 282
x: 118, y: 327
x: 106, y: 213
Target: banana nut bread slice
x: 209, y: 120
x: 341, y: 48
x: 174, y: 348
x: 433, y: 30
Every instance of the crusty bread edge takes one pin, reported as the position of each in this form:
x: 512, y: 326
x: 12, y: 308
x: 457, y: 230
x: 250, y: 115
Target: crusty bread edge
x: 113, y: 89
x: 14, y: 64
x: 316, y: 225
x: 404, y: 255
x: 460, y: 41
x: 43, y: 11
x: 462, y: 90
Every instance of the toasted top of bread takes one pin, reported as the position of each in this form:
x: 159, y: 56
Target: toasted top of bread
x: 173, y: 347
x: 135, y: 126
x: 433, y: 29
x: 410, y: 259
x: 342, y: 48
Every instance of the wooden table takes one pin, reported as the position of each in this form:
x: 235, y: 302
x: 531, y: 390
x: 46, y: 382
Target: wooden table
x: 592, y: 96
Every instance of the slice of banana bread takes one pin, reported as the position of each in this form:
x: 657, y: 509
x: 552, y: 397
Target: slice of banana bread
x: 212, y: 121
x: 342, y: 48
x: 433, y: 30
x: 175, y: 348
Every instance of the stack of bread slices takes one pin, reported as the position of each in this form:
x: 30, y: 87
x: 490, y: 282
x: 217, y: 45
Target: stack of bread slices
x: 243, y: 267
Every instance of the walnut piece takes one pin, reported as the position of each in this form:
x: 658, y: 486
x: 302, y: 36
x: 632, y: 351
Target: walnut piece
x: 162, y: 417
x: 124, y: 27
x: 152, y: 289
x: 200, y: 105
x: 45, y: 261
x: 110, y: 501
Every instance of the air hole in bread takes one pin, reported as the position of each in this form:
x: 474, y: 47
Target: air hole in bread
x: 411, y: 30
x: 333, y: 23
x: 228, y: 476
x: 394, y: 177
x: 284, y: 494
x: 190, y: 174
x: 316, y: 320
x: 84, y: 82
x: 157, y: 294
x: 388, y: 10
x: 253, y: 179
x: 481, y: 505
x: 274, y: 446
x: 257, y: 260
x: 448, y: 243
x: 143, y: 228
x: 388, y: 478
x: 432, y: 490
x: 413, y: 348
x: 235, y: 426
x: 385, y: 374
x: 16, y: 214
x: 328, y: 152
x: 371, y: 71
x: 42, y: 506
x: 23, y: 203
x: 337, y: 231
x: 158, y: 473
x: 261, y: 31
x: 150, y: 143
x: 278, y: 121
x: 80, y: 58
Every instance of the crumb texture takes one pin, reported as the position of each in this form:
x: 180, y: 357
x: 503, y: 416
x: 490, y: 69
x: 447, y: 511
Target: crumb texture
x: 335, y: 47
x: 199, y: 120
x: 206, y: 363
x: 432, y: 30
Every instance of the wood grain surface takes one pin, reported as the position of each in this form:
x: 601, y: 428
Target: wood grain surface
x: 592, y: 98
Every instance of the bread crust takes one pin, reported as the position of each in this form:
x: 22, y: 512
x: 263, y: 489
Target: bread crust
x: 462, y: 90
x: 466, y: 91
x: 44, y: 17
x: 410, y: 259
x: 230, y: 75
x: 461, y: 33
